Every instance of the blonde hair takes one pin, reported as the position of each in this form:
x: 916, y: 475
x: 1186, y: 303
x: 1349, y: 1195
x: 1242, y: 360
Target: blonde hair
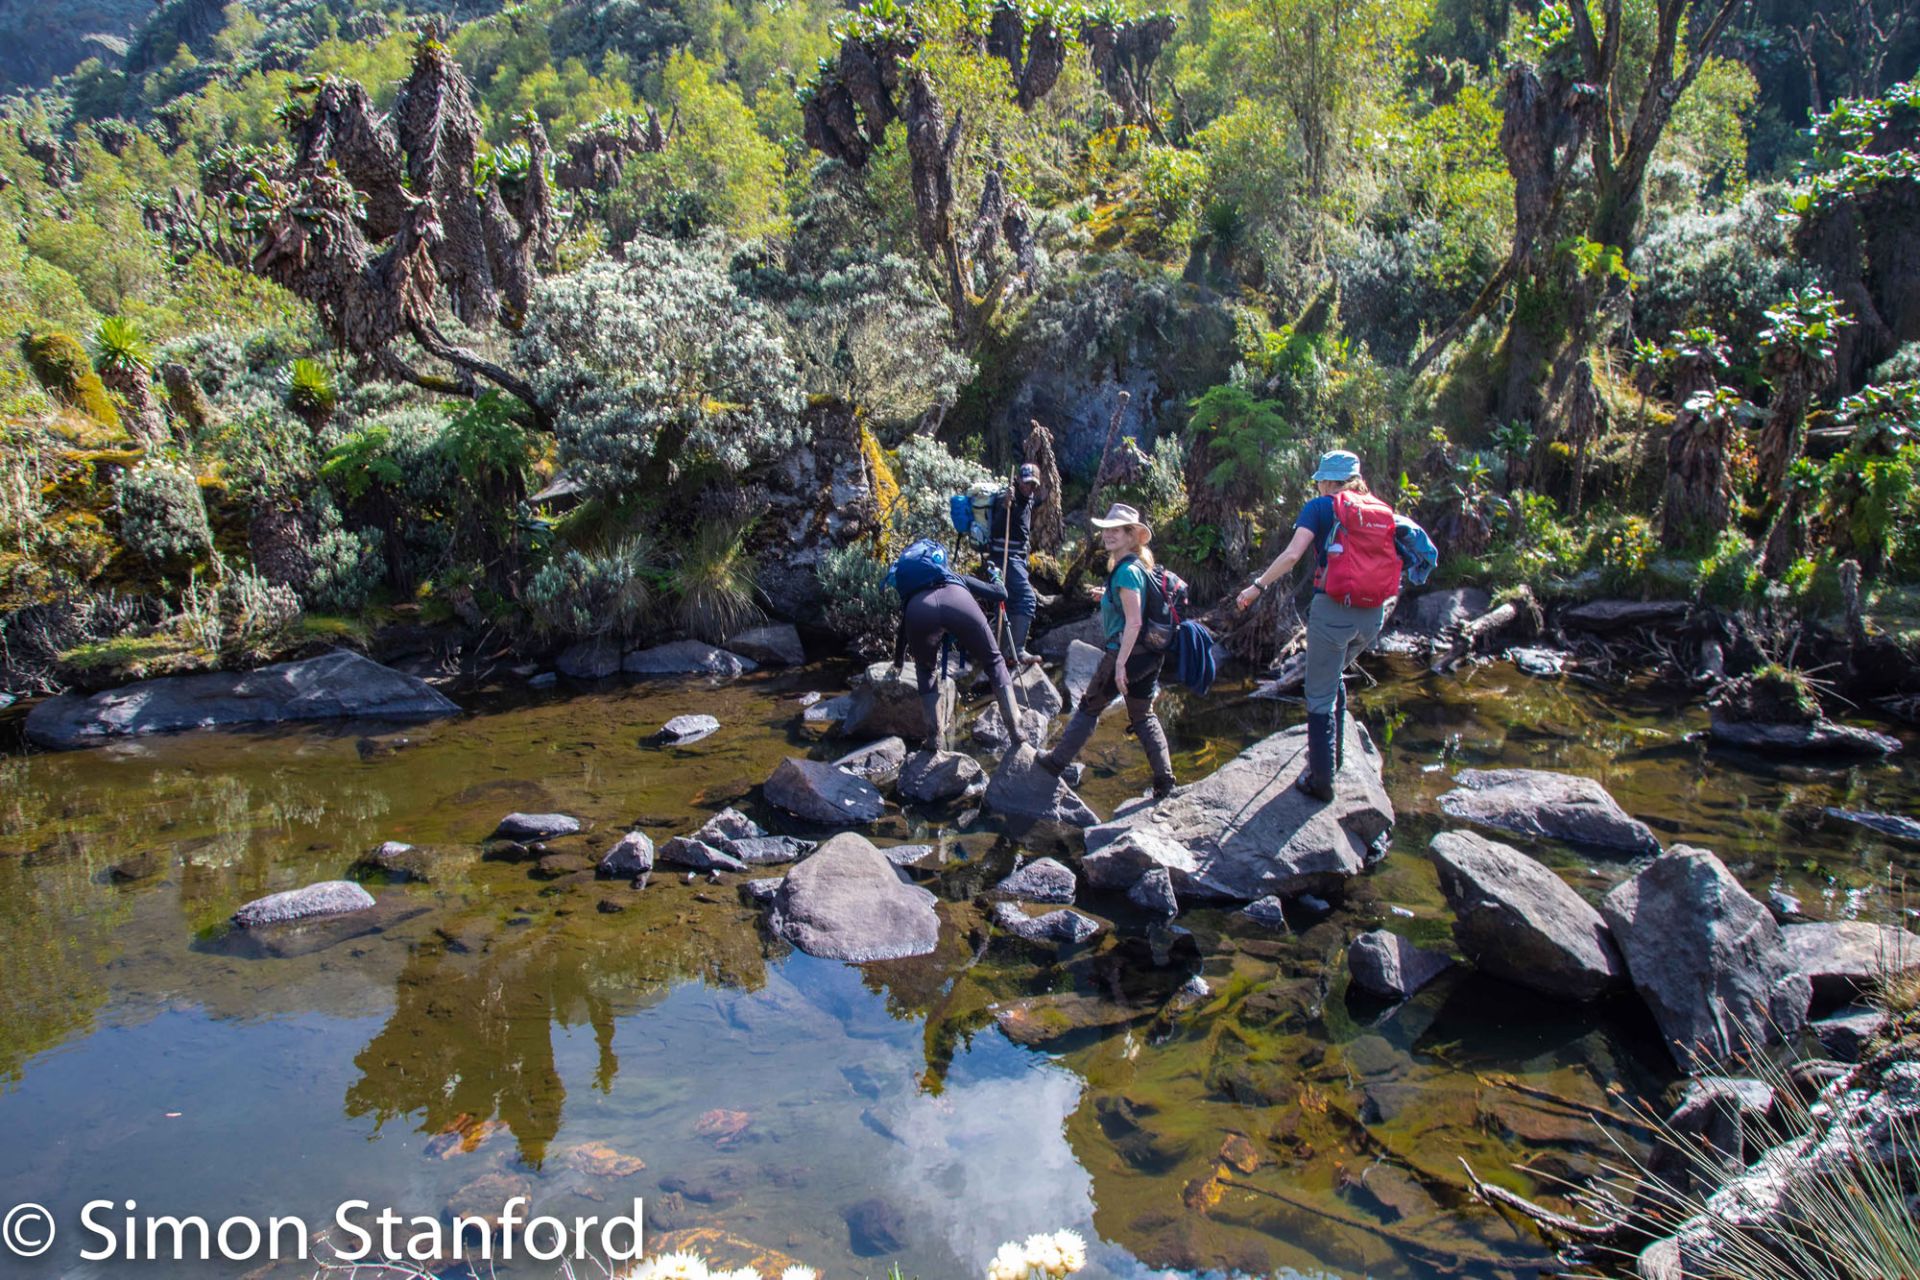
x: 1354, y: 485
x: 1140, y: 552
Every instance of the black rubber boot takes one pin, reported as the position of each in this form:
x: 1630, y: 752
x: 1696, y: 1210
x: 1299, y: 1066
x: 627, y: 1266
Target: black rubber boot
x: 1317, y: 778
x: 1020, y: 625
x: 1078, y: 730
x: 1010, y: 713
x: 1340, y: 729
x: 1153, y: 739
x: 936, y: 739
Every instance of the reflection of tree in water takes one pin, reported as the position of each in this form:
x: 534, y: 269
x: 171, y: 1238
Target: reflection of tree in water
x: 470, y: 1037
x: 57, y: 932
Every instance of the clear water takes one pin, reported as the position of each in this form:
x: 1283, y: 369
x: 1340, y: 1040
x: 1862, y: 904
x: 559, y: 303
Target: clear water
x: 498, y: 1028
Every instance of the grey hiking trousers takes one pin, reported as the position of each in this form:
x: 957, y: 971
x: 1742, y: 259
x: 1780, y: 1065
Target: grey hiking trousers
x: 1336, y: 635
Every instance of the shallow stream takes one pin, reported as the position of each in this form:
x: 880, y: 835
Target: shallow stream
x: 494, y: 1030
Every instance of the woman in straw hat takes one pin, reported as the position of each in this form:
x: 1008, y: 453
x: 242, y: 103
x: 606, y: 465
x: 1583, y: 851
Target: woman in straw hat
x: 1129, y: 669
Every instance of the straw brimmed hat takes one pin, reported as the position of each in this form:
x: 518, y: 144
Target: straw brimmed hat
x: 1120, y: 515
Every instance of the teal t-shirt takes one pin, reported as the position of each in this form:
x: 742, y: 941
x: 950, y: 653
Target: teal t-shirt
x: 1112, y: 617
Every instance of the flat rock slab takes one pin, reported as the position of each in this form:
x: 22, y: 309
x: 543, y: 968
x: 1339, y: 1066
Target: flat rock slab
x: 1055, y: 928
x: 1706, y: 957
x: 1518, y: 920
x: 1034, y: 802
x: 334, y: 686
x: 1245, y: 832
x: 1846, y: 1035
x: 1387, y: 965
x: 687, y: 658
x: 1887, y: 824
x: 1822, y: 737
x: 631, y: 857
x: 886, y: 704
x: 1083, y: 660
x: 818, y: 792
x: 1040, y: 1020
x: 847, y: 902
x: 876, y: 761
x: 1845, y: 959
x: 683, y: 731
x: 1042, y: 880
x: 523, y: 828
x: 1619, y: 615
x: 777, y: 645
x: 1558, y: 806
x: 329, y: 898
x: 938, y: 777
x: 596, y: 659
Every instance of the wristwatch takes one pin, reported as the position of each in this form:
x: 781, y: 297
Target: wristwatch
x: 1257, y: 585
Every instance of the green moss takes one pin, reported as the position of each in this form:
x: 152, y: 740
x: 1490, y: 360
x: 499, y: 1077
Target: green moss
x: 62, y: 367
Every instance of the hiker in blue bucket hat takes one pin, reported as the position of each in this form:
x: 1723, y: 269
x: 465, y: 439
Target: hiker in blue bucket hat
x: 1351, y: 534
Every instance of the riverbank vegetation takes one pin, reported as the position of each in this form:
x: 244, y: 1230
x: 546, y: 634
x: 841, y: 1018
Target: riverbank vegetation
x: 566, y: 319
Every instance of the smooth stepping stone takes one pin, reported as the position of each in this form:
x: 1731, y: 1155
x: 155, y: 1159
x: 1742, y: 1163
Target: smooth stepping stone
x: 525, y: 828
x: 820, y: 793
x: 1557, y: 806
x: 328, y: 898
x: 1042, y: 880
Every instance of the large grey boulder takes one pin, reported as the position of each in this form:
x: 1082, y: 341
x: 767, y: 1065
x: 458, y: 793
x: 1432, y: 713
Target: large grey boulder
x: 334, y: 686
x: 1245, y: 832
x: 525, y: 828
x: 594, y: 659
x: 1082, y: 661
x: 877, y: 761
x: 1032, y: 691
x: 1042, y: 880
x: 329, y: 898
x: 935, y: 777
x: 776, y: 644
x: 1844, y: 959
x: 1033, y: 800
x: 1706, y: 957
x: 686, y: 658
x: 1559, y: 806
x: 1387, y: 965
x: 1053, y: 645
x: 886, y: 703
x: 818, y: 792
x: 631, y: 857
x: 1516, y: 919
x: 847, y: 902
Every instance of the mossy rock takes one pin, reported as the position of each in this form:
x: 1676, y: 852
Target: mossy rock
x: 1771, y: 695
x: 62, y: 367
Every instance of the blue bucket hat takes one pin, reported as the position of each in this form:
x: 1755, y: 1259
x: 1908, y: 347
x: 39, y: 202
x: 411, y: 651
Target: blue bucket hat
x: 1338, y: 467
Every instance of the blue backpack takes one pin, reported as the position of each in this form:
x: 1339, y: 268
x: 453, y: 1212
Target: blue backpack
x: 920, y: 566
x: 1417, y: 553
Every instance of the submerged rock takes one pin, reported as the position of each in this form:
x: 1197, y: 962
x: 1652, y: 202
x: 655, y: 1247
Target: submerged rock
x: 683, y: 731
x: 1821, y: 737
x: 329, y: 898
x: 1042, y: 880
x: 847, y: 902
x: 686, y: 658
x: 404, y: 862
x: 820, y: 793
x: 631, y: 857
x: 1268, y: 912
x: 886, y: 703
x: 1061, y: 928
x: 936, y: 777
x: 1544, y: 663
x: 1031, y: 798
x: 1706, y: 957
x: 1844, y: 959
x: 1558, y: 806
x: 595, y: 659
x: 876, y: 761
x: 1518, y: 920
x: 1387, y: 965
x: 1245, y: 832
x: 524, y: 828
x: 1887, y: 824
x: 336, y: 685
x: 776, y: 644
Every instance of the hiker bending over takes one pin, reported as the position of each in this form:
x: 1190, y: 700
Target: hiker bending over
x: 1359, y: 572
x: 940, y: 603
x: 1011, y: 525
x: 1128, y: 669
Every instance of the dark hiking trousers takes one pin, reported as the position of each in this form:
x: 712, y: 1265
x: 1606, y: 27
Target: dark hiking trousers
x: 950, y: 610
x: 1143, y: 681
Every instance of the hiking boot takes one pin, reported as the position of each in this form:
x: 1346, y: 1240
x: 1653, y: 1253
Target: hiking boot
x: 1340, y: 728
x: 1010, y: 716
x: 1162, y: 788
x: 1316, y: 779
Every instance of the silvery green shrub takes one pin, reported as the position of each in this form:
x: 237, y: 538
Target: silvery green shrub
x: 162, y: 515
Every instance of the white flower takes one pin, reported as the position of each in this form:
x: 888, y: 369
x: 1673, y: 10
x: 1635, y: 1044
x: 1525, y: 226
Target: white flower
x: 799, y: 1273
x: 1010, y: 1263
x: 1073, y: 1250
x: 679, y: 1266
x: 1043, y: 1255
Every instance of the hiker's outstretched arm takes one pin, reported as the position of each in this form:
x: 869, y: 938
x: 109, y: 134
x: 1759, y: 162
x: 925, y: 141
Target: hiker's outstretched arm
x: 1282, y: 565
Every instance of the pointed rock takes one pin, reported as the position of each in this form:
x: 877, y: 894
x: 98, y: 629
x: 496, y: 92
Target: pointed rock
x: 1154, y: 892
x: 1518, y: 920
x: 1032, y: 691
x: 935, y: 777
x: 847, y: 902
x: 1061, y: 928
x: 1387, y: 965
x: 1042, y: 880
x: 630, y: 857
x: 1558, y: 806
x: 1244, y: 832
x: 1030, y: 797
x: 1706, y: 957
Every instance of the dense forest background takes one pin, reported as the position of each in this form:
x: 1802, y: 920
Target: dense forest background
x: 579, y: 319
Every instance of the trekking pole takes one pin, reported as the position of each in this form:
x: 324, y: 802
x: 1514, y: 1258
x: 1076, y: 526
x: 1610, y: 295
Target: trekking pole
x: 1006, y: 558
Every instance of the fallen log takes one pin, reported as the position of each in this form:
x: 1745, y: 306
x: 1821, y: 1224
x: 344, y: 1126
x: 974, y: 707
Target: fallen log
x: 1468, y: 635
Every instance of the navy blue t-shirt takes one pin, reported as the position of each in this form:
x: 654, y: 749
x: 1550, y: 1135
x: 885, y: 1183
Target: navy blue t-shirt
x: 1317, y: 518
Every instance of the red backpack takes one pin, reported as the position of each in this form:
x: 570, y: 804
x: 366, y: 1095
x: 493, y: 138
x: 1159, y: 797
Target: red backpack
x: 1363, y: 565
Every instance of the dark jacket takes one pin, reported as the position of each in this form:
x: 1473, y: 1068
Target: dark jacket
x: 1010, y: 521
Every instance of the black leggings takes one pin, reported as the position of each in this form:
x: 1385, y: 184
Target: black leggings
x: 950, y: 610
